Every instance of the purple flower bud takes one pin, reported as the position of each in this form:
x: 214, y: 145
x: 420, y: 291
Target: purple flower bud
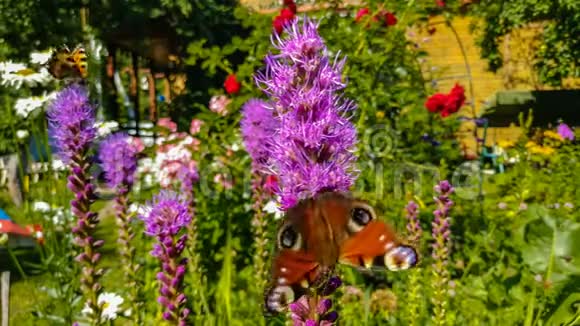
x: 323, y: 306
x: 167, y: 315
x: 331, y: 316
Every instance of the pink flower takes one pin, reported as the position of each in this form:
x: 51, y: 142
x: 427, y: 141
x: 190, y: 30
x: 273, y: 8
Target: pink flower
x: 221, y: 179
x: 195, y: 126
x: 137, y: 143
x: 219, y: 103
x: 167, y: 124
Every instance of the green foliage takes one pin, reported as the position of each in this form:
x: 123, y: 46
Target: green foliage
x: 509, y: 265
x: 559, y: 51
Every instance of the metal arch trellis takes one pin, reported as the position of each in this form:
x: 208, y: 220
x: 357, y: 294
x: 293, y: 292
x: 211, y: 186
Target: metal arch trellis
x: 469, y: 77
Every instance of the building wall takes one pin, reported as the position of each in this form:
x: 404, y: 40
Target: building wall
x: 448, y: 64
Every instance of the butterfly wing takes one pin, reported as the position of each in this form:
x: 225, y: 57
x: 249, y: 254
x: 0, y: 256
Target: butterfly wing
x: 292, y: 273
x: 373, y: 243
x: 79, y: 57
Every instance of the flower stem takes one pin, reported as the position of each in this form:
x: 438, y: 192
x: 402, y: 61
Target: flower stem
x: 127, y: 252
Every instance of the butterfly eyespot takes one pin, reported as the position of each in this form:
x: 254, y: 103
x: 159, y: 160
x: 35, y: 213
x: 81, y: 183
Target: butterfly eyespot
x: 289, y: 238
x: 278, y: 298
x: 359, y: 218
x: 401, y: 258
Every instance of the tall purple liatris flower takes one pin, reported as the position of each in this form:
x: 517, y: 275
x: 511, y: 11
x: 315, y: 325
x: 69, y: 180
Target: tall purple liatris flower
x: 119, y: 162
x: 412, y: 307
x: 312, y: 151
x: 71, y: 124
x: 166, y: 220
x: 313, y: 148
x: 441, y: 235
x: 258, y: 128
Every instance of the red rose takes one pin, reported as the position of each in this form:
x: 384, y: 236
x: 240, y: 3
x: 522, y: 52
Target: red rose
x: 446, y: 104
x: 290, y: 5
x: 455, y: 98
x: 390, y: 18
x: 361, y: 13
x: 232, y: 85
x: 286, y: 16
x: 436, y: 102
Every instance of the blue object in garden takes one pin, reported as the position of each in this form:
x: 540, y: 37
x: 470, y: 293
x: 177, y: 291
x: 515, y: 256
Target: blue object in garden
x: 4, y: 216
x: 161, y: 98
x: 38, y: 149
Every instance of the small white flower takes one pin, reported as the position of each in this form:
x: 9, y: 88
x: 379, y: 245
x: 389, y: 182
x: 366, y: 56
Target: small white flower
x: 272, y: 208
x: 41, y: 206
x: 40, y: 57
x: 58, y: 165
x: 59, y: 218
x: 235, y: 147
x: 21, y: 134
x: 111, y: 303
x: 137, y: 208
x: 106, y: 127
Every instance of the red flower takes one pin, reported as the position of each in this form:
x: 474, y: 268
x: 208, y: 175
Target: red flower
x: 290, y: 5
x: 390, y: 18
x: 232, y: 85
x: 446, y: 104
x: 455, y: 100
x: 436, y: 102
x: 440, y: 3
x: 271, y: 184
x: 286, y: 16
x: 361, y: 13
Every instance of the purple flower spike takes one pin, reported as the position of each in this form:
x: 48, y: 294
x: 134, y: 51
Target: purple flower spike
x: 441, y: 247
x: 313, y: 148
x: 166, y: 220
x: 413, y: 226
x: 258, y: 127
x: 119, y: 161
x: 71, y: 120
x: 118, y: 158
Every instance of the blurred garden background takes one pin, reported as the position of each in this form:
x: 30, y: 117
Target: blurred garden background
x: 482, y: 93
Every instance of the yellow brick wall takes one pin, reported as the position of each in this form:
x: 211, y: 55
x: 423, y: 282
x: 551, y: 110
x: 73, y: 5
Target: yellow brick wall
x: 447, y: 63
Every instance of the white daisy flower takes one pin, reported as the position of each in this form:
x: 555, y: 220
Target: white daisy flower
x: 26, y: 76
x: 10, y: 67
x: 40, y: 58
x: 111, y: 305
x: 25, y: 106
x: 21, y: 134
x: 41, y: 206
x: 272, y: 208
